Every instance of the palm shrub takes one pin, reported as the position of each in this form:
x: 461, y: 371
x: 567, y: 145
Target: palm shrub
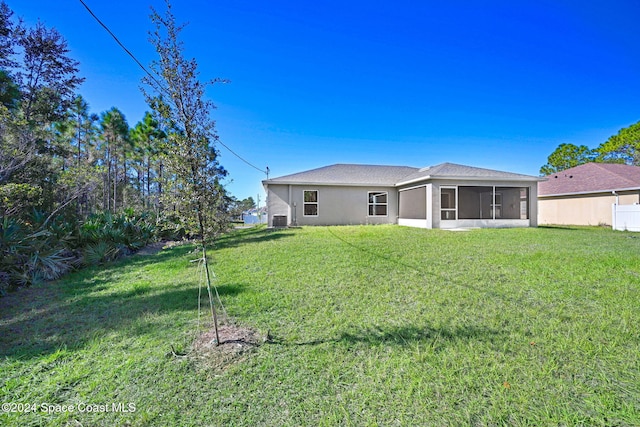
x: 34, y: 250
x: 31, y: 254
x: 13, y: 250
x: 99, y: 252
x: 106, y: 236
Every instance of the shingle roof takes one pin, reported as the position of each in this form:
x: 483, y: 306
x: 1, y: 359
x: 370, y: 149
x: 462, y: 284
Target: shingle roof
x: 591, y: 178
x: 350, y: 174
x: 452, y: 170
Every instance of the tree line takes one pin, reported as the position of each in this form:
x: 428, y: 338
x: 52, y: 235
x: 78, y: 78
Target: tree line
x: 79, y: 188
x: 624, y: 147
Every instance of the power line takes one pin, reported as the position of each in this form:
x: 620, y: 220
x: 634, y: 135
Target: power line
x: 266, y: 172
x: 120, y: 43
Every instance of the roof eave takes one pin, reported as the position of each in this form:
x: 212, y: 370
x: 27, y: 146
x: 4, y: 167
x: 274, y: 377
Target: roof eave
x: 581, y: 193
x: 472, y: 178
x: 413, y: 181
x: 328, y: 184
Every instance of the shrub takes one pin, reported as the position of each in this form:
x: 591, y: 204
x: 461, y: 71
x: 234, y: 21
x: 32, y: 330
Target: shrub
x: 106, y: 236
x: 28, y: 257
x: 32, y: 252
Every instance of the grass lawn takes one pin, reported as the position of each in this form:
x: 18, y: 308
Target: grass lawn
x: 371, y: 325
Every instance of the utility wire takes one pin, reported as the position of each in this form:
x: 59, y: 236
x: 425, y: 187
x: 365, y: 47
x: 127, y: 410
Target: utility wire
x: 266, y: 172
x: 120, y: 43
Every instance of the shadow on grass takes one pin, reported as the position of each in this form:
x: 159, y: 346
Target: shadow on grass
x: 409, y: 335
x: 558, y: 227
x: 98, y: 277
x: 248, y: 236
x: 424, y: 270
x: 69, y: 313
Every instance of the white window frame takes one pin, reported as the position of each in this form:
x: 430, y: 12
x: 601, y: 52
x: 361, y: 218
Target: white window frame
x: 455, y: 197
x: 385, y: 204
x: 305, y: 203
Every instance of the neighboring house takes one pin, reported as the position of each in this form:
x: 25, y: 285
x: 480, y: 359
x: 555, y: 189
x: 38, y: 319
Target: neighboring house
x: 255, y: 216
x: 584, y: 195
x: 443, y: 196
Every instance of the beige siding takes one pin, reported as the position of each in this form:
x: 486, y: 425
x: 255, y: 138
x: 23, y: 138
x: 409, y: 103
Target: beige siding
x: 592, y: 209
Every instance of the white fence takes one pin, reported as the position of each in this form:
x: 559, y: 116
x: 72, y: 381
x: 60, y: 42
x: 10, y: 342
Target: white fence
x: 626, y: 217
x: 254, y: 219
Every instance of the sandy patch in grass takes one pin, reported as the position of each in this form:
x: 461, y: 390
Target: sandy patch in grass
x: 236, y: 343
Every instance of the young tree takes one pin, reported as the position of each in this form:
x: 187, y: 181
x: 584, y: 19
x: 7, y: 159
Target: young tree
x: 179, y: 103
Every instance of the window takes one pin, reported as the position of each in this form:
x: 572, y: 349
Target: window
x: 311, y: 203
x: 378, y: 203
x: 447, y: 203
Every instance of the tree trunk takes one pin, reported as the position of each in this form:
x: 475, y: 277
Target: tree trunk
x: 107, y: 192
x: 148, y: 171
x: 160, y: 178
x: 124, y: 178
x: 115, y: 181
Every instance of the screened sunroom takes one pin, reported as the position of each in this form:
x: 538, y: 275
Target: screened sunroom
x: 483, y: 202
x: 466, y: 206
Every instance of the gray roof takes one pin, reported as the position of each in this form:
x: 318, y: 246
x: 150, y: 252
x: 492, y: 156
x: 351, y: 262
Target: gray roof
x: 390, y: 176
x: 455, y: 171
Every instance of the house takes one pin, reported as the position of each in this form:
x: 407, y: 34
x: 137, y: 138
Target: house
x: 583, y: 195
x: 443, y: 196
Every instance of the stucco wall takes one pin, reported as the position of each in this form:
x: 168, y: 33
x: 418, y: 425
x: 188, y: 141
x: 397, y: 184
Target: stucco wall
x: 277, y: 202
x: 594, y: 209
x: 337, y: 205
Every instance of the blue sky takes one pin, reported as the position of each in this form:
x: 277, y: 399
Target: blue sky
x: 494, y: 84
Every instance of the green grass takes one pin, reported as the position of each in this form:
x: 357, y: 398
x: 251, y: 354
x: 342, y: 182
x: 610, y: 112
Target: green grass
x: 377, y: 325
